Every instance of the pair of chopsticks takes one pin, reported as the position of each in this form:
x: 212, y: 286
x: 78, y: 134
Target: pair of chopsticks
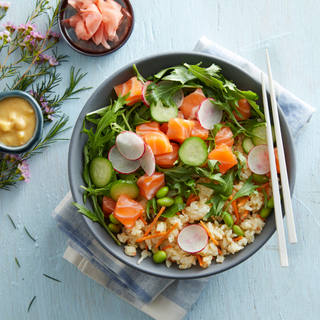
x: 283, y: 171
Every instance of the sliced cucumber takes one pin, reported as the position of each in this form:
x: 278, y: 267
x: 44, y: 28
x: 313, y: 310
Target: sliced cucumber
x: 161, y: 113
x: 260, y: 132
x: 247, y: 144
x: 101, y: 171
x: 126, y: 187
x: 193, y: 152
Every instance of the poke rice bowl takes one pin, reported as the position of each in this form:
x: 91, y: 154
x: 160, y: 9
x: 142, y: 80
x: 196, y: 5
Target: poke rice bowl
x: 101, y: 97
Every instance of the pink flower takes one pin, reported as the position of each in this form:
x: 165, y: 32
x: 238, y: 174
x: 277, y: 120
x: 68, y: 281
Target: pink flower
x: 37, y: 35
x: 10, y: 26
x: 5, y: 5
x: 23, y: 167
x: 53, y: 35
x: 53, y: 61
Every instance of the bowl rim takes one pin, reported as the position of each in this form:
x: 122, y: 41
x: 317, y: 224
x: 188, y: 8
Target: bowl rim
x: 89, y: 223
x: 64, y: 3
x: 39, y: 122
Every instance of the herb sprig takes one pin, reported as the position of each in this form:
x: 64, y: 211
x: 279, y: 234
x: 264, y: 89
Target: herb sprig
x: 23, y: 47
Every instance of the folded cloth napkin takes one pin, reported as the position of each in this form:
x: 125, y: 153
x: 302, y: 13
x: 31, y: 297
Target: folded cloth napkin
x: 159, y: 298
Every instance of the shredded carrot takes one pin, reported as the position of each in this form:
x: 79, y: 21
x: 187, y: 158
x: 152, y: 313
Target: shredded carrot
x: 144, y: 221
x: 134, y: 254
x: 235, y: 208
x: 164, y: 236
x: 154, y: 221
x: 260, y: 217
x: 167, y: 247
x: 219, y: 251
x: 231, y: 197
x: 200, y: 260
x: 150, y: 237
x: 244, y: 215
x: 238, y: 238
x: 243, y: 202
x: 209, y: 234
x: 263, y: 186
x: 189, y: 199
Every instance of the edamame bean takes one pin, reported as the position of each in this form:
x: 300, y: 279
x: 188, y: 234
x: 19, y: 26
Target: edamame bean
x: 178, y: 199
x: 260, y: 178
x: 114, y: 228
x: 228, y: 220
x: 166, y: 202
x: 265, y: 212
x: 270, y: 203
x: 237, y: 230
x: 162, y: 192
x: 159, y: 256
x: 113, y: 219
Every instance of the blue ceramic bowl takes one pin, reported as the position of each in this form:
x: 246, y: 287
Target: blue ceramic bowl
x: 101, y: 97
x: 39, y: 122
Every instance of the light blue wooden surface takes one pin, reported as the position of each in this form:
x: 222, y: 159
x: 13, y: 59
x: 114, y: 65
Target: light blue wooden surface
x: 258, y: 288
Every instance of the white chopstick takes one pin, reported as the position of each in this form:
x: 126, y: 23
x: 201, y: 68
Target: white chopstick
x: 282, y: 161
x: 275, y: 184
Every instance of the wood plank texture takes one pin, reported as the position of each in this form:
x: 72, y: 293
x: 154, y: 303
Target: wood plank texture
x: 258, y: 288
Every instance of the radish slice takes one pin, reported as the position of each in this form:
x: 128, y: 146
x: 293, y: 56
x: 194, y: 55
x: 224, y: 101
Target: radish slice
x: 144, y: 93
x: 130, y: 145
x: 120, y: 163
x: 192, y: 238
x: 177, y: 97
x: 208, y: 114
x: 258, y: 159
x: 147, y: 162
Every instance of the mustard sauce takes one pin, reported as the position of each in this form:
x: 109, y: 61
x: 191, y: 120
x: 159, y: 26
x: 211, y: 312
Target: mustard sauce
x: 17, y: 121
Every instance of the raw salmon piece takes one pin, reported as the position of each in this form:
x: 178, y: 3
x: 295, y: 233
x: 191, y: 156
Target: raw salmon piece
x: 149, y: 185
x: 134, y: 86
x: 164, y: 127
x: 158, y: 142
x: 191, y: 103
x: 224, y: 155
x: 108, y: 206
x: 224, y: 135
x: 244, y: 108
x: 180, y: 114
x: 166, y: 160
x: 127, y: 211
x: 148, y: 128
x: 179, y: 129
x: 199, y: 131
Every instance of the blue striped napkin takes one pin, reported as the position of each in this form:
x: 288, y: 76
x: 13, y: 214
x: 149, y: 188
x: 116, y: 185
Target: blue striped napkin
x: 161, y: 299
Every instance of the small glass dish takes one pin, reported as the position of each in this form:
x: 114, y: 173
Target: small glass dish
x: 89, y: 48
x: 39, y: 123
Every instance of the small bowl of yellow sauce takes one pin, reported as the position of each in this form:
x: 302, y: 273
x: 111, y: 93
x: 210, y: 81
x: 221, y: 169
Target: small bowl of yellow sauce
x: 21, y: 122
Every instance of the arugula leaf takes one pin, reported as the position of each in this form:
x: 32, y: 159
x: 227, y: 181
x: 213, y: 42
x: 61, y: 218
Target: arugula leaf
x: 137, y: 73
x: 179, y: 173
x: 148, y: 208
x: 172, y: 211
x: 163, y: 94
x: 105, y: 191
x: 86, y: 212
x: 217, y: 206
x: 241, y: 163
x: 180, y: 74
x: 247, y: 188
x: 181, y: 189
x: 205, y: 75
x: 224, y: 189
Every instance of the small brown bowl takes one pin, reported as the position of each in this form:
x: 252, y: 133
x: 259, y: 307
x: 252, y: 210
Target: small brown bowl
x: 89, y: 48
